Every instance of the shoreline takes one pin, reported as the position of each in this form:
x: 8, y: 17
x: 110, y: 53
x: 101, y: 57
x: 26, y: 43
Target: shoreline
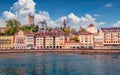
x: 74, y: 51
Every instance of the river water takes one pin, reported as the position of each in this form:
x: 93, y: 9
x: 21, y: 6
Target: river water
x: 58, y: 64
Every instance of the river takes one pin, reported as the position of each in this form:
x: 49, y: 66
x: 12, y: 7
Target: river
x: 58, y: 64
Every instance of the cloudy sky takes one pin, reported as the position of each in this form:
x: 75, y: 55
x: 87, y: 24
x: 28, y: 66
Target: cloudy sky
x: 102, y: 13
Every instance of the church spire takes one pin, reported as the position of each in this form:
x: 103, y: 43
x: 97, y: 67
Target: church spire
x: 64, y: 24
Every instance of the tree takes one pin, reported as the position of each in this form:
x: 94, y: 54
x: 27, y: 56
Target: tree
x: 1, y: 33
x: 30, y: 28
x: 12, y: 26
x: 12, y: 23
x: 67, y: 30
x: 75, y: 38
x: 49, y: 28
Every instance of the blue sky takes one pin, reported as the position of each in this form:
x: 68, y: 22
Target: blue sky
x: 107, y: 11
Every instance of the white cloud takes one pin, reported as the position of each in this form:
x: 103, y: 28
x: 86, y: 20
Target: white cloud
x: 2, y: 22
x: 109, y: 5
x: 117, y: 24
x: 8, y: 15
x: 75, y: 22
x: 21, y: 8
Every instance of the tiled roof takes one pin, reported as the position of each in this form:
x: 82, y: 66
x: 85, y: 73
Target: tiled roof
x: 110, y: 29
x: 91, y: 25
x: 25, y: 33
x: 54, y: 32
x: 85, y: 33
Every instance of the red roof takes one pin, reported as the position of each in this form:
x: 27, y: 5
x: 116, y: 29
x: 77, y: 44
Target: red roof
x: 85, y: 33
x: 110, y: 29
x: 91, y: 25
x: 25, y: 33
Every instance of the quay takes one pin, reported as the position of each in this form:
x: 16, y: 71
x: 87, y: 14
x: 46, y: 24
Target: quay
x: 73, y: 51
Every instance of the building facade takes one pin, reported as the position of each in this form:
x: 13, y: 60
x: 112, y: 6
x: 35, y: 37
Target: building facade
x: 50, y: 40
x: 111, y: 37
x: 20, y: 40
x: 23, y: 40
x: 98, y: 41
x: 30, y: 40
x: 72, y: 45
x: 6, y: 42
x: 86, y: 39
x: 91, y: 28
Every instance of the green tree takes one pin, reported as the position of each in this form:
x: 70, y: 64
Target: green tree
x: 12, y: 23
x: 9, y: 31
x: 49, y: 28
x: 12, y: 26
x: 30, y: 28
x: 1, y: 33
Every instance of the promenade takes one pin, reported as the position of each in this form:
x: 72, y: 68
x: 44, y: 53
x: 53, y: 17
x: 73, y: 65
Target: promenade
x: 74, y: 51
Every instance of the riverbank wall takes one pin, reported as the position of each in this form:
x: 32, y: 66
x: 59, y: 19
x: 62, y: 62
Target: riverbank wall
x: 85, y: 51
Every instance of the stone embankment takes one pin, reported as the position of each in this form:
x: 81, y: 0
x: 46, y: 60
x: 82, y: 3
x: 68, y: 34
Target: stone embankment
x: 64, y: 51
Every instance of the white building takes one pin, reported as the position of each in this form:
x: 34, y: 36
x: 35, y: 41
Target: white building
x: 86, y: 39
x: 91, y: 28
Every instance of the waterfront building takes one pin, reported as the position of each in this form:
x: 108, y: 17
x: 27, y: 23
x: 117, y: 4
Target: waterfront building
x: 23, y: 40
x: 111, y: 37
x: 91, y: 28
x: 86, y: 39
x: 30, y: 19
x: 50, y: 39
x: 98, y: 41
x: 30, y: 40
x: 6, y: 42
x: 20, y: 40
x: 72, y: 45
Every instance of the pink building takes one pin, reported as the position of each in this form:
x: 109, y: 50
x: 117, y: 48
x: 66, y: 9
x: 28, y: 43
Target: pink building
x: 111, y: 37
x: 23, y: 40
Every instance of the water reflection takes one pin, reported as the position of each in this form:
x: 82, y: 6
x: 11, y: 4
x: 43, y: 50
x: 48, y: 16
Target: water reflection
x: 58, y: 64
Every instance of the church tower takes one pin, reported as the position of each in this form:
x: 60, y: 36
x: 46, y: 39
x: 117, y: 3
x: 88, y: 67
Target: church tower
x: 30, y: 19
x: 64, y: 24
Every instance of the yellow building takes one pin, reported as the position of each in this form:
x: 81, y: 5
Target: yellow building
x: 86, y: 39
x: 6, y: 42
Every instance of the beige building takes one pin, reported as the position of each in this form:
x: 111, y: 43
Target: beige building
x: 50, y: 39
x: 111, y: 37
x: 86, y: 39
x: 72, y: 45
x: 20, y: 40
x: 91, y: 28
x: 6, y: 42
x: 98, y: 41
x: 23, y: 40
x: 30, y: 40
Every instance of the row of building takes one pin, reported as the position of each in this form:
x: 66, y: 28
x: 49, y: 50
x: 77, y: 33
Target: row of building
x: 38, y: 40
x: 108, y: 38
